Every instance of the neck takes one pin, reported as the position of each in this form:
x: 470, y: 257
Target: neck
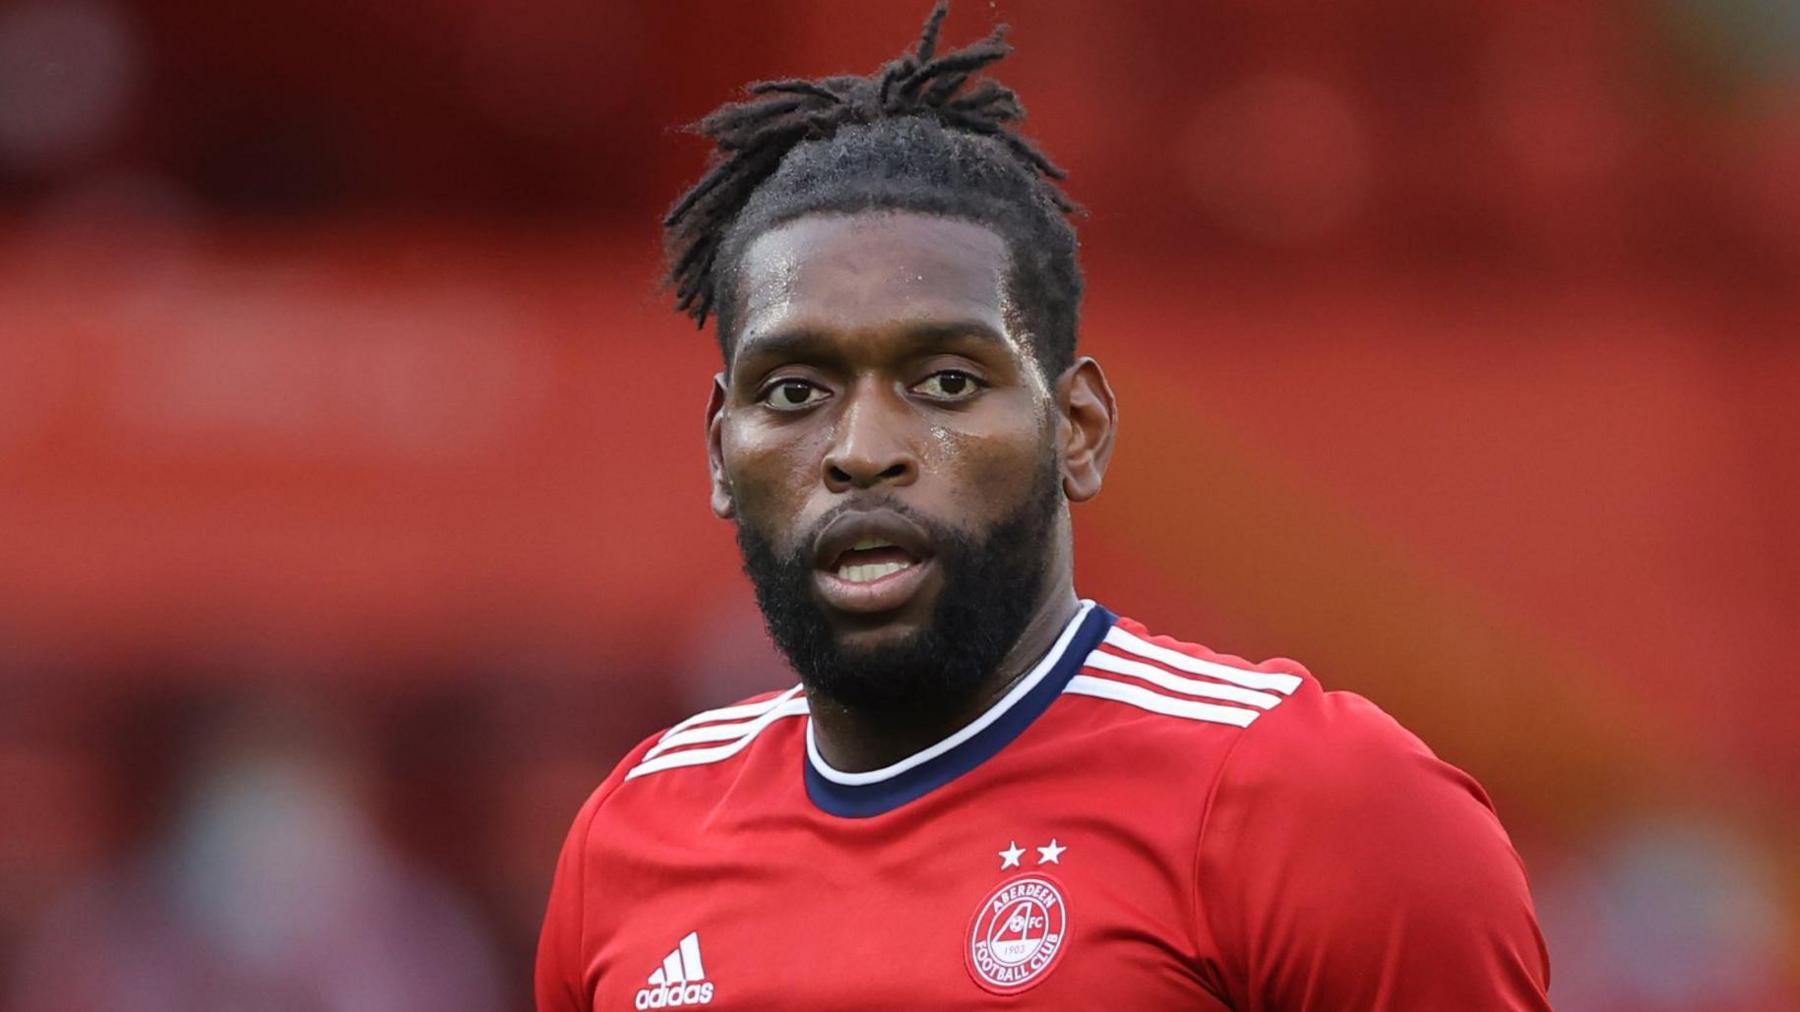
x: 856, y: 741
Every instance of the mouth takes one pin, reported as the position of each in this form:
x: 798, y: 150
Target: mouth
x: 871, y: 562
x: 872, y: 559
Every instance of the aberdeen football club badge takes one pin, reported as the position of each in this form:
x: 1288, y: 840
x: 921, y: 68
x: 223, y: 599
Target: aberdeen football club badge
x: 1018, y: 934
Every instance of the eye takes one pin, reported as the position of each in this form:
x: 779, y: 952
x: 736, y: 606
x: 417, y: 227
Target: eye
x: 949, y: 385
x: 792, y: 394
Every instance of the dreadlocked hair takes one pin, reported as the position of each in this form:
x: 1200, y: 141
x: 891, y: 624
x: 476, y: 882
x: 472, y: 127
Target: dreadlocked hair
x: 918, y: 135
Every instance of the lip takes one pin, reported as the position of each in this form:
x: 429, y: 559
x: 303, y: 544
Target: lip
x: 849, y: 528
x: 888, y: 593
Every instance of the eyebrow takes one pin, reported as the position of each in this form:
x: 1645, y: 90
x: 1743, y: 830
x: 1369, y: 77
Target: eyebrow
x: 809, y: 343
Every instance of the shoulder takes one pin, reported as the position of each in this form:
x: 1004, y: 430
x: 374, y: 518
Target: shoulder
x: 1284, y: 768
x: 702, y: 747
x: 1335, y: 759
x: 1333, y: 840
x: 1284, y: 718
x: 1192, y: 689
x: 1331, y: 771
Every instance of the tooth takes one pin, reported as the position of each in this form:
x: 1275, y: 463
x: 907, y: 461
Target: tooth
x: 867, y: 543
x: 870, y: 572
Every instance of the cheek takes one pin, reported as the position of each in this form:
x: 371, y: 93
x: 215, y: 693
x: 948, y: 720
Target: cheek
x: 989, y: 474
x: 770, y: 480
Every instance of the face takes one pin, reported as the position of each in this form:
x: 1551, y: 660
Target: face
x: 895, y: 459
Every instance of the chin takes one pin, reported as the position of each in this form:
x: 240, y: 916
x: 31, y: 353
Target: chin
x: 891, y: 669
x: 871, y: 641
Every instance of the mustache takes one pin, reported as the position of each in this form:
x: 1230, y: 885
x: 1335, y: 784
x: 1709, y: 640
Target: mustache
x: 939, y: 531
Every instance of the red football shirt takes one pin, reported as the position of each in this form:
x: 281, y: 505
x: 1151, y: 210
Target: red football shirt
x: 1139, y: 824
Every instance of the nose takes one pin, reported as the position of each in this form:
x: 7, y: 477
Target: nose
x: 872, y: 445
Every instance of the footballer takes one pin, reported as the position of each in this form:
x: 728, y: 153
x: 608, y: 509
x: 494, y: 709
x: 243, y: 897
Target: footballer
x: 985, y: 792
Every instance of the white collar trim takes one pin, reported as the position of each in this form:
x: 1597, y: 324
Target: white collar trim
x: 970, y: 730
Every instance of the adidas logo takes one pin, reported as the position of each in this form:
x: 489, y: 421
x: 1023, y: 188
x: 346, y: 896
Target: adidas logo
x: 680, y: 980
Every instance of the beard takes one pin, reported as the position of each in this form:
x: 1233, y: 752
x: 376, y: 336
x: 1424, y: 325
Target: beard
x: 992, y: 581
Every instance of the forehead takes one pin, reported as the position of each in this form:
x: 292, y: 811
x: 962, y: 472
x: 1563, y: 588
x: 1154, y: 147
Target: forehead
x: 870, y: 272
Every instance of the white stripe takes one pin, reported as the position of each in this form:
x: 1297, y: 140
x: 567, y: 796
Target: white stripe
x: 690, y: 956
x: 1274, y: 682
x: 1176, y: 683
x: 671, y: 969
x: 741, y: 711
x: 1156, y: 702
x: 788, y: 707
x: 974, y: 728
x: 699, y: 735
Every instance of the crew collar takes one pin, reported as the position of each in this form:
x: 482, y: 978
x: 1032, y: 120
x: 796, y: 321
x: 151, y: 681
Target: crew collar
x: 861, y: 795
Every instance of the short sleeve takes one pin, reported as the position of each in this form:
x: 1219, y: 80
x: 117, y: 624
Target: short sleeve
x: 561, y: 976
x: 1344, y: 867
x: 559, y: 955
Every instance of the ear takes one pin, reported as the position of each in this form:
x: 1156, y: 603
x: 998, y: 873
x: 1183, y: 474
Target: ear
x: 1088, y: 420
x: 722, y: 503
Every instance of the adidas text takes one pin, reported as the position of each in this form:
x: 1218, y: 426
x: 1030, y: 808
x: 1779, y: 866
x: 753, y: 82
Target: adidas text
x: 675, y: 995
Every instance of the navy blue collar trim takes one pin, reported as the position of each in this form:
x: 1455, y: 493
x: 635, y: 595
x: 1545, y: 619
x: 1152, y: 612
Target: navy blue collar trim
x: 859, y: 796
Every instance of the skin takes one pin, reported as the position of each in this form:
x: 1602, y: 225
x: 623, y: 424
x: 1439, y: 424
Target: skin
x: 915, y: 383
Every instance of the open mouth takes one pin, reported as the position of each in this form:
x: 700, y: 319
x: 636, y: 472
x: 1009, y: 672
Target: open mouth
x: 872, y: 562
x: 871, y: 559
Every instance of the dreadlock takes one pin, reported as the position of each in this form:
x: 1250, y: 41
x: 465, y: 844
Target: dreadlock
x: 910, y: 137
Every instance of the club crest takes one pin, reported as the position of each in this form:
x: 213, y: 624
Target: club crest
x: 1017, y: 934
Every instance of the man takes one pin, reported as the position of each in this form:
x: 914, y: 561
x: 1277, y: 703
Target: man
x: 984, y: 792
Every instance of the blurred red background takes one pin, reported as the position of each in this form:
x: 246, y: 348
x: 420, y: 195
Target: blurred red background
x: 352, y: 506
